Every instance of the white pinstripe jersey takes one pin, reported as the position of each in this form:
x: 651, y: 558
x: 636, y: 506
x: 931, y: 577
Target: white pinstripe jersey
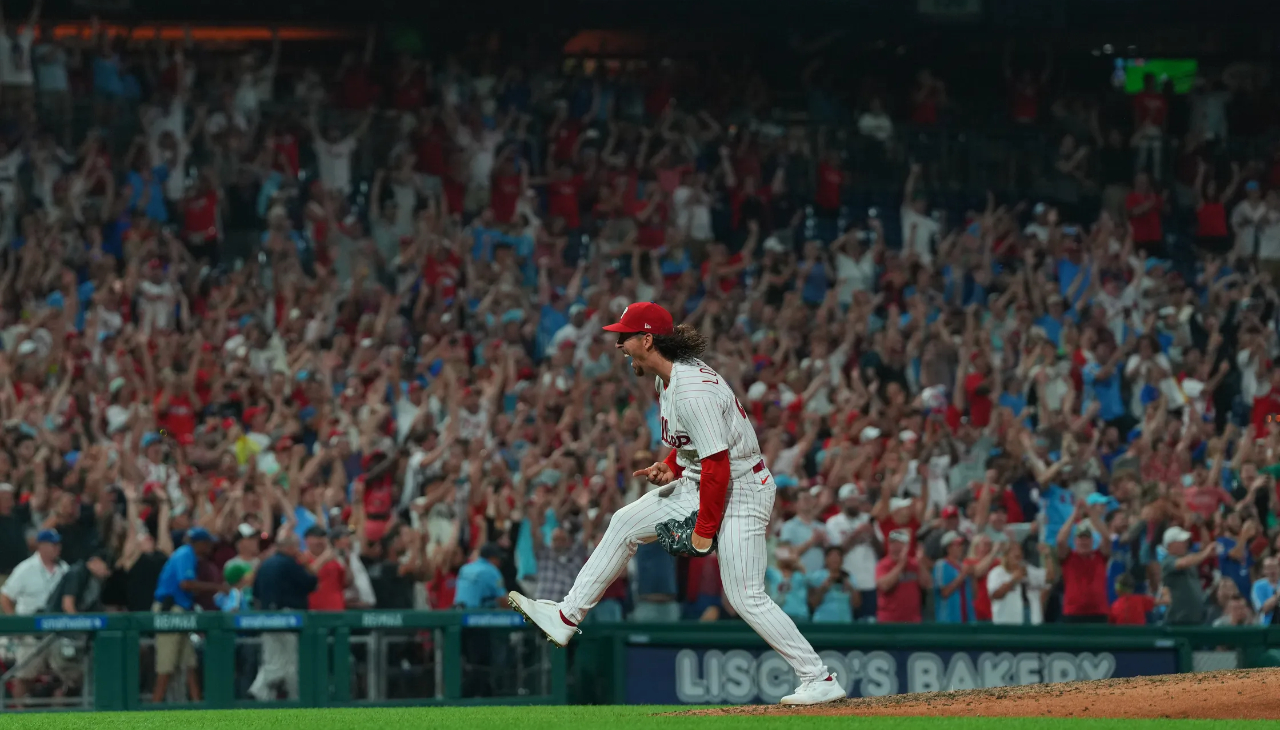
x: 701, y: 416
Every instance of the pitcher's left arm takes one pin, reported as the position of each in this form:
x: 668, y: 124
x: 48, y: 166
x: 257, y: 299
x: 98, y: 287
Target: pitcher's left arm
x: 707, y: 421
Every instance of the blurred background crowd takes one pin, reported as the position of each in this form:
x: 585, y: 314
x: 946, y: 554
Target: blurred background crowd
x: 315, y: 324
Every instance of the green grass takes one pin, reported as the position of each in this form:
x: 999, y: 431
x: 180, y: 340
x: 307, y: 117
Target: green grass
x: 551, y: 718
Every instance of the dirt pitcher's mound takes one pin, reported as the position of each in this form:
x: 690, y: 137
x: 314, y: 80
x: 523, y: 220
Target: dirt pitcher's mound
x: 1252, y: 694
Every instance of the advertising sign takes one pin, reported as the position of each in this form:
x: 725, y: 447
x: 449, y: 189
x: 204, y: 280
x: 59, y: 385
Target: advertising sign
x: 268, y: 621
x: 71, y: 623
x: 671, y: 675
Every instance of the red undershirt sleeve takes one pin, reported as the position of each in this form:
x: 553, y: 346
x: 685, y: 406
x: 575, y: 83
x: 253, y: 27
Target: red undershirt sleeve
x: 671, y: 463
x: 712, y: 490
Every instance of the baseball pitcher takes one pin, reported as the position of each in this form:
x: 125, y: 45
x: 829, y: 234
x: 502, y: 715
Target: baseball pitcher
x: 716, y: 494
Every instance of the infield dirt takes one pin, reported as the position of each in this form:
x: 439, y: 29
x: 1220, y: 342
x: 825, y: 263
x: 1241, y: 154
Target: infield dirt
x: 1250, y: 694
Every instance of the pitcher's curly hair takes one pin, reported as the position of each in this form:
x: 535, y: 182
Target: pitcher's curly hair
x: 683, y: 344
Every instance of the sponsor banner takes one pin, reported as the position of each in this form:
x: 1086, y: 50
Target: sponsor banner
x: 382, y: 620
x: 493, y: 619
x: 173, y: 622
x: 268, y: 621
x: 71, y: 623
x: 670, y: 675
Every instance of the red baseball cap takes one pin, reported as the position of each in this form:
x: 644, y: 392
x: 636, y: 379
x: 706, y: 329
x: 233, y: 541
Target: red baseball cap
x: 950, y: 511
x: 645, y: 317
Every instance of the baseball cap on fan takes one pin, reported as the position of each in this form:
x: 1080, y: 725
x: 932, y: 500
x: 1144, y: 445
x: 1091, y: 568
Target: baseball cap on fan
x: 1175, y: 534
x: 645, y: 317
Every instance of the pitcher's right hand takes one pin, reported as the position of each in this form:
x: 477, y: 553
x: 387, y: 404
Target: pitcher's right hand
x: 659, y: 474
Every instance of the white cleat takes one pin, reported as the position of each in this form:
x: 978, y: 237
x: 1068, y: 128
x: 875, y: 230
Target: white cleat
x: 816, y: 692
x: 545, y: 616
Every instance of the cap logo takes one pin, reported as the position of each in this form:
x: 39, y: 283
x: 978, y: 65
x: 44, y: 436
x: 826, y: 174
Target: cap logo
x: 648, y: 326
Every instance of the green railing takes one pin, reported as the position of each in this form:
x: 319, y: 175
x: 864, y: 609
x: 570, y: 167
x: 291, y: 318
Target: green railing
x: 325, y: 640
x: 621, y: 663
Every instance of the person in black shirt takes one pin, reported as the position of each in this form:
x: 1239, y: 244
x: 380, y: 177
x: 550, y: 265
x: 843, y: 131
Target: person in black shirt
x: 80, y: 590
x: 144, y: 556
x: 504, y: 535
x: 78, y: 526
x: 392, y: 579
x: 778, y: 271
x: 15, y: 519
x: 282, y: 584
x: 1115, y: 162
x: 751, y: 203
x: 242, y: 213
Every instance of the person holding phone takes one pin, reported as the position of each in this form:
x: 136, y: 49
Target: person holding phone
x: 832, y: 597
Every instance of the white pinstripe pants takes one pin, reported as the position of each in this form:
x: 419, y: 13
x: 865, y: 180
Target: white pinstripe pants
x: 741, y: 551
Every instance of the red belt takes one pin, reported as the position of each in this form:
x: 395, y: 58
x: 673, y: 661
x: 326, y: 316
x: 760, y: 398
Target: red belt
x: 759, y: 467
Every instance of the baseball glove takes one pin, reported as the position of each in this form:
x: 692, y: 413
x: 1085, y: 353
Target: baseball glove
x: 676, y: 537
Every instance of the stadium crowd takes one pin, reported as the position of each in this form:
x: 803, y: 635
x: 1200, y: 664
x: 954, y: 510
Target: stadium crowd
x: 260, y: 334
